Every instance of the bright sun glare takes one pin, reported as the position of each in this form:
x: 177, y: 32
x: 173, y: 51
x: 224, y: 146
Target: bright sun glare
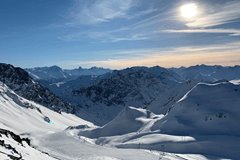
x: 189, y: 11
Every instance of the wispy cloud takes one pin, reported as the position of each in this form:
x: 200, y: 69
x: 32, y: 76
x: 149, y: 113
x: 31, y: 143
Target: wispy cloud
x: 224, y: 54
x: 143, y: 13
x: 105, y: 12
x: 218, y: 14
x: 134, y: 37
x: 233, y: 32
x: 105, y: 36
x: 99, y: 11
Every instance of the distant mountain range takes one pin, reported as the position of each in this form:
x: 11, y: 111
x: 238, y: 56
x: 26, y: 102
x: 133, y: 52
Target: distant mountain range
x: 155, y: 88
x: 96, y: 90
x: 55, y: 73
x: 208, y: 73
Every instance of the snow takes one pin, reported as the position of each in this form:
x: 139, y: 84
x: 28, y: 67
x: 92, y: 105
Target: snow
x: 20, y: 150
x: 25, y: 117
x: 205, y: 110
x: 58, y: 84
x: 135, y: 118
x: 50, y: 137
x: 67, y: 147
x: 236, y: 81
x: 34, y: 76
x: 202, y: 124
x: 206, y: 117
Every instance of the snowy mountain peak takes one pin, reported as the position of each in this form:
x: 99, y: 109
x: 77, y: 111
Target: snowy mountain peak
x: 47, y: 73
x: 19, y: 81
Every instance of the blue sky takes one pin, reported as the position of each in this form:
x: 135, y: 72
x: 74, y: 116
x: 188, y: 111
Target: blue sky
x: 118, y: 33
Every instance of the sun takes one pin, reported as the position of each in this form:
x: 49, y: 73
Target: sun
x: 189, y: 11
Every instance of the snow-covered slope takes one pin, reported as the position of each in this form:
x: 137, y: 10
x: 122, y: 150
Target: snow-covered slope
x: 206, y: 117
x: 14, y: 147
x: 206, y: 109
x: 164, y: 102
x: 129, y: 120
x: 136, y: 86
x: 28, y: 119
x: 154, y: 88
x: 47, y: 73
x: 23, y: 116
x: 45, y: 128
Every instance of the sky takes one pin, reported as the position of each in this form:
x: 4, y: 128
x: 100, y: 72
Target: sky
x: 119, y: 33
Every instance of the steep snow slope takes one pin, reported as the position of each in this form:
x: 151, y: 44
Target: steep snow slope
x: 164, y: 102
x: 206, y: 109
x: 14, y: 147
x: 24, y: 116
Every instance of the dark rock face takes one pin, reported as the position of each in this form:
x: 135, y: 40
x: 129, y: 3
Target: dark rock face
x: 11, y: 74
x: 19, y: 81
x: 17, y: 138
x: 9, y: 147
x: 131, y: 86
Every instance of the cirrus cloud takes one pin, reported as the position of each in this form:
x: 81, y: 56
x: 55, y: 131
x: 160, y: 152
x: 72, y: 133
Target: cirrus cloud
x: 100, y: 11
x: 215, y: 15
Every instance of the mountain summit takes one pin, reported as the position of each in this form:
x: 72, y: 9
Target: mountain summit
x: 19, y: 81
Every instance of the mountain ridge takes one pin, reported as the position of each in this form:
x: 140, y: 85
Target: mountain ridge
x: 19, y: 81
